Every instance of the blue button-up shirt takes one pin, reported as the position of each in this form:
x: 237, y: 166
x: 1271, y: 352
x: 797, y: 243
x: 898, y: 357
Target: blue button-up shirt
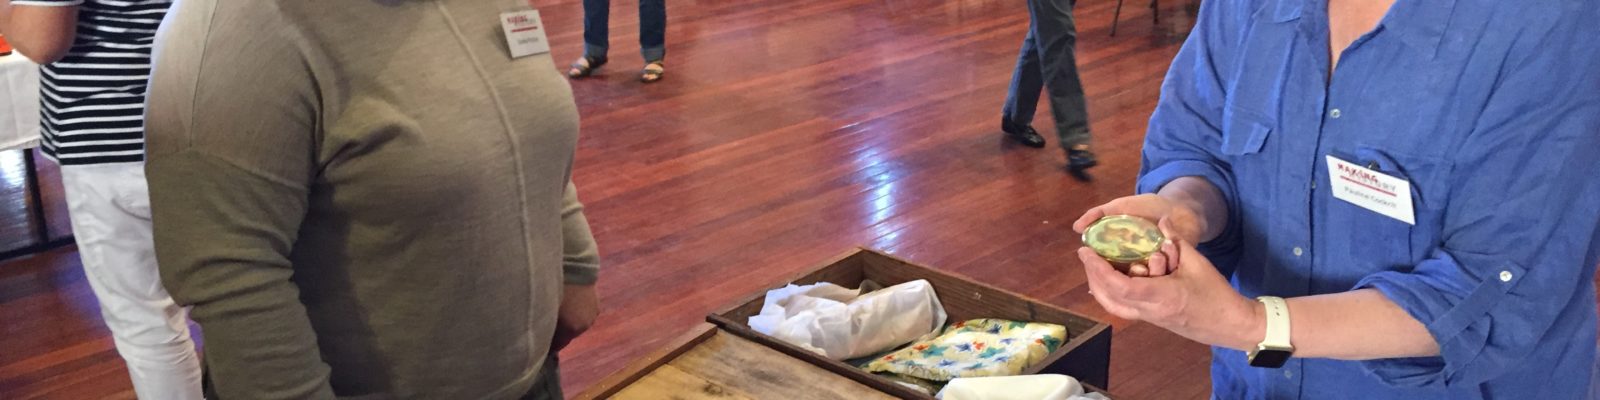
x: 1490, y: 109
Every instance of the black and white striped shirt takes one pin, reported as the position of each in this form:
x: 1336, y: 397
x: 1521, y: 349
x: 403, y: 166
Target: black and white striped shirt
x: 93, y: 100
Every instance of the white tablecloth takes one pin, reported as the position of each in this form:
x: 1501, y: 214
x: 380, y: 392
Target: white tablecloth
x: 19, y: 109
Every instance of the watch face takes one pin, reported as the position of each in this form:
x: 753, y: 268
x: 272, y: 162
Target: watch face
x: 1267, y: 358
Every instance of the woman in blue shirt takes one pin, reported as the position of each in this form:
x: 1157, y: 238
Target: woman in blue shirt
x: 1416, y: 178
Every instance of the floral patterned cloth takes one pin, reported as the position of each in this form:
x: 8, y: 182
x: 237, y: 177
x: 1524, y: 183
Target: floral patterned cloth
x: 975, y: 348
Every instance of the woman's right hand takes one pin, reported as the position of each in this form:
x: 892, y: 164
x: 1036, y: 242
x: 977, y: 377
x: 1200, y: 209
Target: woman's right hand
x: 1182, y: 219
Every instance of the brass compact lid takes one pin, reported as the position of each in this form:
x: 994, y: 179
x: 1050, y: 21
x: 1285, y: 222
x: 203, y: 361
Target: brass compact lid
x: 1124, y: 238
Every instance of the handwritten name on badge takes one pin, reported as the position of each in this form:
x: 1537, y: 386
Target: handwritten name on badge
x: 524, y: 33
x: 1372, y: 190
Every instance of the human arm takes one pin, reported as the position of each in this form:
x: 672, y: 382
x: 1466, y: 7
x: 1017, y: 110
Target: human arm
x: 1184, y: 176
x: 1519, y: 233
x: 1197, y: 302
x: 1518, y: 243
x: 231, y: 127
x: 42, y: 30
x: 580, y: 302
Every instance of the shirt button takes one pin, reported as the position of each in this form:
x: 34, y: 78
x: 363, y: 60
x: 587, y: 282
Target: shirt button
x: 1334, y: 113
x: 1287, y: 374
x: 1505, y: 276
x: 1298, y: 251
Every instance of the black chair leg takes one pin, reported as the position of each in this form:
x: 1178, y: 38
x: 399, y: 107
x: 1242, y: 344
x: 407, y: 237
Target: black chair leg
x: 1155, y: 10
x: 1116, y: 17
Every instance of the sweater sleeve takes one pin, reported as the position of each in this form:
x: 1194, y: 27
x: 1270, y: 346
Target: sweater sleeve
x: 231, y: 132
x: 580, y: 257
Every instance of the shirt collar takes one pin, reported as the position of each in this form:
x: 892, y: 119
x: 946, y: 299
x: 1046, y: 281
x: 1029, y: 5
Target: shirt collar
x: 1421, y: 22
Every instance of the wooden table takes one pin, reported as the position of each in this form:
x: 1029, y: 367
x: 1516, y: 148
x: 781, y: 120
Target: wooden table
x: 19, y: 108
x: 19, y: 130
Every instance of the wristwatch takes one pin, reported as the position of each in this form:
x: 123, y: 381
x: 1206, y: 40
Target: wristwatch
x: 1276, y: 349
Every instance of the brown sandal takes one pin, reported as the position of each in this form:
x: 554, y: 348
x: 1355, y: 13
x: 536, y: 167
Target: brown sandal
x: 652, y: 72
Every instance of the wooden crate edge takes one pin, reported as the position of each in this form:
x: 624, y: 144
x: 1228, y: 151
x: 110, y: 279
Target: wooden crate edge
x: 639, y: 368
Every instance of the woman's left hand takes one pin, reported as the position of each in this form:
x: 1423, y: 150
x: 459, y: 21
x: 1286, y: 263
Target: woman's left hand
x: 1193, y: 299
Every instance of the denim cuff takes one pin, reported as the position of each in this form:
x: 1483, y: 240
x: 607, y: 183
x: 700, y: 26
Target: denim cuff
x: 594, y: 52
x: 654, y: 54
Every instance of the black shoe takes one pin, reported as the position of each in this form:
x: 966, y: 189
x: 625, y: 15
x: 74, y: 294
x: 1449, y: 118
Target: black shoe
x: 1078, y: 162
x: 1023, y: 134
x: 1080, y: 159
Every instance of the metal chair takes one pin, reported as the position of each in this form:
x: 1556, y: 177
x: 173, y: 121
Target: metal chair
x: 1155, y: 12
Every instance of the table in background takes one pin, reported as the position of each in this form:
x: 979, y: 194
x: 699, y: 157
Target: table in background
x: 19, y: 130
x: 19, y: 111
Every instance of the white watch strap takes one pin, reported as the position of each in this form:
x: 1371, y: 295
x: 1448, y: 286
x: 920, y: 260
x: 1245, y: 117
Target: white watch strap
x: 1277, y: 322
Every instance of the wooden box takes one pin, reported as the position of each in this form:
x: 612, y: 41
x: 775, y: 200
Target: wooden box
x: 710, y: 363
x: 1086, y: 355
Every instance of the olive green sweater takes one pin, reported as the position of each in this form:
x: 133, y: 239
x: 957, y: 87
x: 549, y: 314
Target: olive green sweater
x: 363, y: 199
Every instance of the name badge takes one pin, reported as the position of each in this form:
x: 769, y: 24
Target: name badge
x: 524, y: 33
x: 1372, y: 190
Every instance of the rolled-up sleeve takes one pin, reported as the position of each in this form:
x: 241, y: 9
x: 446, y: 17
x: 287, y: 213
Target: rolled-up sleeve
x: 1185, y: 135
x: 1519, y: 239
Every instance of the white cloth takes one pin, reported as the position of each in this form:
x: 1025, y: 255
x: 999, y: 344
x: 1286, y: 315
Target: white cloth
x: 1025, y: 387
x: 845, y: 323
x: 110, y: 209
x: 19, y: 106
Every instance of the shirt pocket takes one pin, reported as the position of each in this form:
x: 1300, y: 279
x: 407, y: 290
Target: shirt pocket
x: 1244, y: 133
x: 1369, y: 237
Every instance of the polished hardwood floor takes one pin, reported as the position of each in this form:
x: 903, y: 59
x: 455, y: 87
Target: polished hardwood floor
x: 785, y: 132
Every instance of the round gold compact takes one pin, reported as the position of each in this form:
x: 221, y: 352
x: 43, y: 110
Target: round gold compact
x: 1123, y: 240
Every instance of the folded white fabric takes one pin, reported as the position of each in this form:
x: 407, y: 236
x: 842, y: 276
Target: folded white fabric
x: 1024, y: 387
x: 842, y: 323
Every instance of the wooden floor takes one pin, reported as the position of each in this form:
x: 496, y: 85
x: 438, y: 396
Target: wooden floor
x: 785, y: 132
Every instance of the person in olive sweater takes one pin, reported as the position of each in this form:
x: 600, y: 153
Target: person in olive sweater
x: 367, y: 200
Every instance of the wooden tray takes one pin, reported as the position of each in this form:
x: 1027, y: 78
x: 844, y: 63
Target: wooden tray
x: 1086, y: 355
x: 710, y: 363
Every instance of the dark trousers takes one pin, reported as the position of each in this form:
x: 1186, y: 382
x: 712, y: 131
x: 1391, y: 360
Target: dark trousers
x: 1047, y: 62
x: 652, y: 28
x: 548, y: 386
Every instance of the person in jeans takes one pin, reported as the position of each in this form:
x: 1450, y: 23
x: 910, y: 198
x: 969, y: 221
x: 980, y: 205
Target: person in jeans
x: 597, y: 38
x: 1047, y: 62
x: 368, y: 199
x: 95, y: 57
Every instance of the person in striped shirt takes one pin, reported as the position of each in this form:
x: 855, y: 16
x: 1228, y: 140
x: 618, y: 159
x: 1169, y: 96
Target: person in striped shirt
x: 96, y: 64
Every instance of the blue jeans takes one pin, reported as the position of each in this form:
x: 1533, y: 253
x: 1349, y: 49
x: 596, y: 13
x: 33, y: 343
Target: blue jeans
x: 1047, y: 62
x: 652, y: 29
